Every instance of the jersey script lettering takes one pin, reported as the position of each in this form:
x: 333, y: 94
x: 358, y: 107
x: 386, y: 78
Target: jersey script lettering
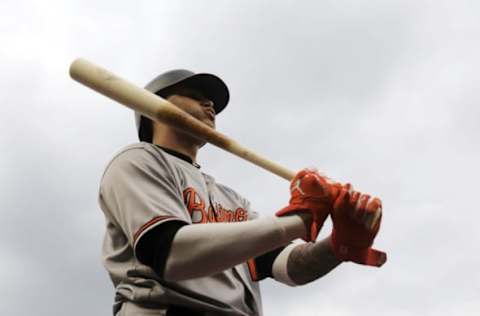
x: 200, y: 213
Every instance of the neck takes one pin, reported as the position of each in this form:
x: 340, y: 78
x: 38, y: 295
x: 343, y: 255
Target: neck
x: 184, y: 144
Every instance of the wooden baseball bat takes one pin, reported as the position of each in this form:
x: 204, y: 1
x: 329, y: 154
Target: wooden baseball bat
x: 159, y: 109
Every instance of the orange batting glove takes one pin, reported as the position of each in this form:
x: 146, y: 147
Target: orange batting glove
x: 353, y: 233
x: 314, y: 194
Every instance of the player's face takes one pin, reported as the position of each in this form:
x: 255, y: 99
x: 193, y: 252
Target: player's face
x: 195, y: 103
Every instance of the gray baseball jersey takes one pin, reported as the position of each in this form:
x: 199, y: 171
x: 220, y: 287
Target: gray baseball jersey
x: 144, y: 186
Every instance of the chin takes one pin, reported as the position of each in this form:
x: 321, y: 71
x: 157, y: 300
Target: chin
x: 210, y: 123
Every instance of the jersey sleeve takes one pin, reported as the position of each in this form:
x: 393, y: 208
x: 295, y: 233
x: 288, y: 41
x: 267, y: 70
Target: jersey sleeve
x: 140, y: 191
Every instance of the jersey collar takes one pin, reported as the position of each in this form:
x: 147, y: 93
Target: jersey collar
x: 179, y: 155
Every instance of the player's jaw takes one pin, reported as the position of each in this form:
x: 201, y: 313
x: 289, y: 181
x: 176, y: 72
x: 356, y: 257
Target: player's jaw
x: 200, y: 108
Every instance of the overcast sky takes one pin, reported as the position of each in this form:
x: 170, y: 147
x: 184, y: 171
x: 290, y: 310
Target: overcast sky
x: 384, y: 94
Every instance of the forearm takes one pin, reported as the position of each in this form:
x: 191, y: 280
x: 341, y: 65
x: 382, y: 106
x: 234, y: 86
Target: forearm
x: 305, y: 263
x: 205, y: 249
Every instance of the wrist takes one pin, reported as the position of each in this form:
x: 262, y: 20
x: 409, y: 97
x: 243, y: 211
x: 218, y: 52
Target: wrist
x: 302, y: 217
x: 331, y: 246
x: 292, y: 226
x: 339, y: 250
x: 307, y: 220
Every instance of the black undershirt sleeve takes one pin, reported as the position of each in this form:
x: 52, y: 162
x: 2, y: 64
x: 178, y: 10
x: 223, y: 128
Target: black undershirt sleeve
x: 264, y: 263
x: 154, y: 247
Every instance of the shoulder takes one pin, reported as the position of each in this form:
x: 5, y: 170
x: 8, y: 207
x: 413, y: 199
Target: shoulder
x: 233, y: 194
x: 139, y: 156
x: 141, y: 152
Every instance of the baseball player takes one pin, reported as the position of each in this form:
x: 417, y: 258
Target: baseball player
x: 179, y: 243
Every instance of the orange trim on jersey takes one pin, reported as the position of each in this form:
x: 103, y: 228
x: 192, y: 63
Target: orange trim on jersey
x: 253, y: 269
x: 148, y: 224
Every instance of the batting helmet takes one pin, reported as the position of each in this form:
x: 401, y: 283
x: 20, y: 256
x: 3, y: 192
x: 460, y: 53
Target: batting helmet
x: 210, y: 85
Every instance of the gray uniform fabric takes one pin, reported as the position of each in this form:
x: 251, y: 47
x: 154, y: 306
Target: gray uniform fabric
x: 142, y: 187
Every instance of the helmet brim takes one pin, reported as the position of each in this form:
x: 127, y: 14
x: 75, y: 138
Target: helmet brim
x: 210, y: 85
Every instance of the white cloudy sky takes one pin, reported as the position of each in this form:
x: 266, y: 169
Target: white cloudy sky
x: 384, y: 94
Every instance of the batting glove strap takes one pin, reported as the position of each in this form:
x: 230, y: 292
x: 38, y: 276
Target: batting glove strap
x: 366, y: 256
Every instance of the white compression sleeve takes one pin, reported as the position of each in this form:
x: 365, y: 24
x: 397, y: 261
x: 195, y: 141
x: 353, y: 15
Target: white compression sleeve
x: 280, y: 266
x: 205, y: 249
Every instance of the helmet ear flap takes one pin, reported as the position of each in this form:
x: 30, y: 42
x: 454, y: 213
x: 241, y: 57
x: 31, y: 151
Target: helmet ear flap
x: 145, y: 132
x: 144, y: 124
